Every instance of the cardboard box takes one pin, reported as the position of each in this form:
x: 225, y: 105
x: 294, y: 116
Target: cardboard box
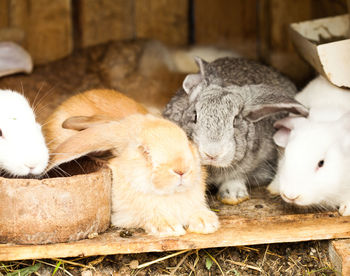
x: 325, y: 44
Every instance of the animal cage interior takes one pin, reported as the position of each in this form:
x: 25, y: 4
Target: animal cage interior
x: 147, y: 50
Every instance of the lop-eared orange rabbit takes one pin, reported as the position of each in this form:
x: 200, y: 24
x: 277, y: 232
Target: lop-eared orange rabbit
x: 158, y: 182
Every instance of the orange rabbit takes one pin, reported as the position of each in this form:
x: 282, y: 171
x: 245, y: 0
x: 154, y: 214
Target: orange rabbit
x: 158, y: 182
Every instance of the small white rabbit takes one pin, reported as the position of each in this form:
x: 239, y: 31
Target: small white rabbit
x: 22, y: 145
x: 314, y: 169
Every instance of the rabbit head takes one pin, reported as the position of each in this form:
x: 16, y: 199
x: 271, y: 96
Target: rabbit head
x: 314, y: 168
x: 22, y: 146
x: 173, y: 160
x: 160, y: 150
x: 222, y: 117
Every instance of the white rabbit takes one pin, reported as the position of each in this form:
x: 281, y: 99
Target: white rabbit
x: 314, y: 167
x: 22, y: 145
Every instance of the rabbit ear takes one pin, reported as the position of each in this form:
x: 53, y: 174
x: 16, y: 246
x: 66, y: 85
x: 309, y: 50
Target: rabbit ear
x: 98, y: 138
x: 14, y: 59
x: 83, y: 122
x: 290, y: 122
x: 270, y: 102
x: 259, y: 112
x: 193, y: 80
x: 285, y: 126
x: 281, y: 137
x: 201, y: 64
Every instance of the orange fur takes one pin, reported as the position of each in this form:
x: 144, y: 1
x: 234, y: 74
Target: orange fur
x: 148, y: 190
x: 99, y: 104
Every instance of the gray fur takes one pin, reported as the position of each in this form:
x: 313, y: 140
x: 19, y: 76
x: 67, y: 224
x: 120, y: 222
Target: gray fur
x: 234, y: 102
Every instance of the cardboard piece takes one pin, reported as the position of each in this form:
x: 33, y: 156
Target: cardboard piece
x: 325, y: 44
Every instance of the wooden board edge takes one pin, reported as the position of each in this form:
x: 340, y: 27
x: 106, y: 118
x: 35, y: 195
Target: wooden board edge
x: 235, y: 232
x: 339, y: 256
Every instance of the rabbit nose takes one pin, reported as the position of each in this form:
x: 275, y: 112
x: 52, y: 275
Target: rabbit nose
x: 290, y: 198
x: 179, y: 172
x: 210, y: 156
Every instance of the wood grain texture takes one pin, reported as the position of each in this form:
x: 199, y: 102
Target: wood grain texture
x: 276, y: 47
x: 4, y: 8
x: 227, y: 23
x: 165, y: 20
x: 339, y: 255
x: 104, y: 20
x: 43, y: 27
x: 282, y: 54
x: 258, y: 221
x: 13, y: 16
x: 48, y: 29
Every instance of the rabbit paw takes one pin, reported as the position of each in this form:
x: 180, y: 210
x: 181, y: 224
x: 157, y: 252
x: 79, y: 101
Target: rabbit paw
x: 344, y: 209
x: 203, y: 222
x: 274, y: 187
x: 165, y: 228
x: 233, y: 192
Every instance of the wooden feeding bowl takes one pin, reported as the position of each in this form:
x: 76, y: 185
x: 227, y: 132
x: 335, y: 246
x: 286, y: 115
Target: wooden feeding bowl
x: 325, y: 44
x: 63, y: 207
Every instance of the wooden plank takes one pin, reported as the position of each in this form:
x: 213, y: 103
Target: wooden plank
x: 103, y: 20
x: 282, y: 54
x: 165, y: 20
x: 339, y: 255
x: 228, y: 23
x: 4, y: 10
x: 276, y: 47
x: 264, y: 31
x: 43, y: 27
x: 18, y: 12
x: 328, y: 59
x: 49, y: 32
x: 282, y: 14
x: 257, y: 221
x: 326, y: 8
x: 12, y: 17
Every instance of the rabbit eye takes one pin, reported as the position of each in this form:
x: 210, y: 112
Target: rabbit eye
x: 320, y: 163
x: 0, y: 133
x: 195, y: 117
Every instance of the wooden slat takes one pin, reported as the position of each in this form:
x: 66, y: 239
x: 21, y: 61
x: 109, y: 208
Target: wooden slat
x: 227, y: 23
x: 257, y: 221
x: 282, y: 54
x: 4, y: 8
x: 275, y: 46
x: 104, y: 20
x: 326, y: 8
x: 339, y: 255
x: 165, y: 20
x: 46, y: 25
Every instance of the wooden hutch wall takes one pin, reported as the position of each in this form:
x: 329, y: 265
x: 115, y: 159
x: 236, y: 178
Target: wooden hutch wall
x: 52, y: 29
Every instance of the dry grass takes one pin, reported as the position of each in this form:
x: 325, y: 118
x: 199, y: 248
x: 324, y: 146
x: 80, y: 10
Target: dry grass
x: 307, y: 258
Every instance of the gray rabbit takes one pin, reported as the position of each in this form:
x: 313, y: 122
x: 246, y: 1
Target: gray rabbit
x: 228, y: 109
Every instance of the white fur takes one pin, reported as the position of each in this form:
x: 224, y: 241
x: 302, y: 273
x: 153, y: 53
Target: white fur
x: 320, y: 93
x: 324, y: 135
x: 22, y: 146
